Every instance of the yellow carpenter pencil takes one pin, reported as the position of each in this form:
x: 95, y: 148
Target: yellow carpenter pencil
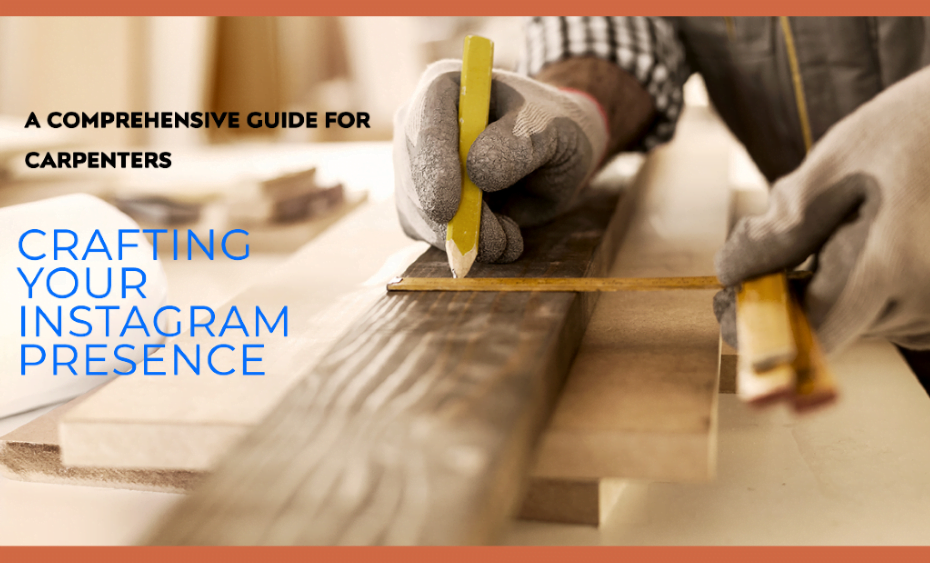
x: 463, y: 230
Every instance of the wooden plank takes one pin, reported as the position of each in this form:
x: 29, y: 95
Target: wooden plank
x: 640, y: 401
x: 642, y: 395
x: 32, y: 453
x: 728, y: 357
x: 187, y: 422
x: 417, y: 426
x: 569, y: 501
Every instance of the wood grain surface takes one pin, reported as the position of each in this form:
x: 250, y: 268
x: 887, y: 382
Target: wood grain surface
x: 640, y: 400
x: 417, y: 426
x: 189, y: 421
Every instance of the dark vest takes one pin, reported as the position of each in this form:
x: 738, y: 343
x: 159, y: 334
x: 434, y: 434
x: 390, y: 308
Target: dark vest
x: 778, y: 82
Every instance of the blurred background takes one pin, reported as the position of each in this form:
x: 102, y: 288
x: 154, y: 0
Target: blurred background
x: 285, y: 186
x: 229, y: 64
x: 272, y: 181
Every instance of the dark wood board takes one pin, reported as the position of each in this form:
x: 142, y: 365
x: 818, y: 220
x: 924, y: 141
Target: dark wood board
x: 416, y: 428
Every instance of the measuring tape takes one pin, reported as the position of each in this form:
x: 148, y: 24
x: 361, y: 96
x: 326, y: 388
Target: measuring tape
x: 552, y: 284
x: 572, y: 285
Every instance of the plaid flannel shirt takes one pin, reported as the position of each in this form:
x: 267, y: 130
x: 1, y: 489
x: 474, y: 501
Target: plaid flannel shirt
x: 646, y: 47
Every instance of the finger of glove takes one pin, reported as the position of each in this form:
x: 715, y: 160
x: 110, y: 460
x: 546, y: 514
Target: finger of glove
x: 500, y: 157
x: 798, y: 221
x: 547, y: 191
x: 545, y: 168
x: 435, y: 169
x: 725, y: 311
x: 500, y: 240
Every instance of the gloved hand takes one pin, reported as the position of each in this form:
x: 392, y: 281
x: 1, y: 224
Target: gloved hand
x: 541, y: 146
x: 861, y: 201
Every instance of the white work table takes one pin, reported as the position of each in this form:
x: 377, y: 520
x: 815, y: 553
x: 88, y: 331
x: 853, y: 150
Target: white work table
x: 854, y: 473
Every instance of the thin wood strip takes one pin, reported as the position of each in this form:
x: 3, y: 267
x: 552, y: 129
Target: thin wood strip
x: 766, y: 342
x: 32, y: 453
x: 577, y: 285
x: 763, y: 325
x: 767, y: 368
x: 553, y: 284
x: 815, y: 383
x: 763, y: 387
x: 416, y: 428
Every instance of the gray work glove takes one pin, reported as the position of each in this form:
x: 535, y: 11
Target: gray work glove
x: 541, y: 146
x: 861, y: 201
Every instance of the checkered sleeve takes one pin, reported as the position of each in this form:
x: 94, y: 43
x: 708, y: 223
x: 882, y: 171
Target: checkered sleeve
x: 646, y: 47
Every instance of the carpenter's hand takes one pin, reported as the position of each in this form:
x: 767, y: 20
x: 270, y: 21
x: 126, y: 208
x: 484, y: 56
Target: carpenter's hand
x: 540, y: 147
x: 861, y: 201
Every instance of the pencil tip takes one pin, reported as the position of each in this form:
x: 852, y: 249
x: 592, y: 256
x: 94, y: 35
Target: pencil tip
x: 460, y: 263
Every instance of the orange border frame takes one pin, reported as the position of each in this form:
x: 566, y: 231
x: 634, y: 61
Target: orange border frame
x: 472, y: 7
x: 466, y: 554
x: 457, y: 554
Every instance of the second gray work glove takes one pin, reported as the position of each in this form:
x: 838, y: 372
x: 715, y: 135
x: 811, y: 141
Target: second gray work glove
x: 541, y: 146
x: 861, y: 201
